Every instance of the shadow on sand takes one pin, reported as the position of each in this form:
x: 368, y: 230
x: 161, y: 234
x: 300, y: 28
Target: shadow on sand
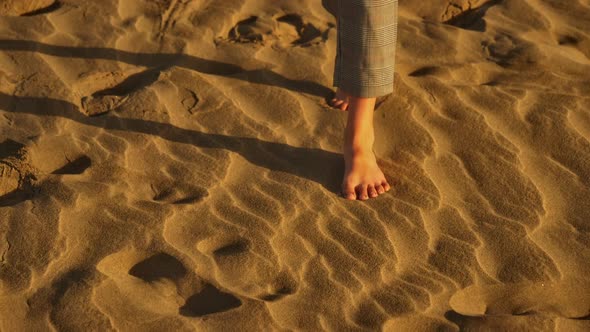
x: 165, y: 60
x: 323, y: 167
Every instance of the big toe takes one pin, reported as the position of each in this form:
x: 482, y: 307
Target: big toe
x: 349, y: 193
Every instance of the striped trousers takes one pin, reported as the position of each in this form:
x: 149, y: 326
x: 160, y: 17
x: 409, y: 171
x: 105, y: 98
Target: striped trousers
x: 366, y: 42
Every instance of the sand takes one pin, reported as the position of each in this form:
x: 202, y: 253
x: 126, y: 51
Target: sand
x: 173, y: 165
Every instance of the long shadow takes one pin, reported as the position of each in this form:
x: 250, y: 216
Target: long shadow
x: 165, y: 60
x: 323, y: 167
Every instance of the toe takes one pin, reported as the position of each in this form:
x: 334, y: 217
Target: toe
x: 344, y: 106
x: 348, y: 193
x: 379, y: 188
x: 336, y: 102
x: 372, y: 191
x: 385, y: 185
x: 351, y: 195
x: 362, y: 192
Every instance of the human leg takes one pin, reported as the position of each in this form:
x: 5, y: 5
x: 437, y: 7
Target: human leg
x: 367, y: 33
x: 366, y: 45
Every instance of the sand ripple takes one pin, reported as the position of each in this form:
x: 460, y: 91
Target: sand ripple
x: 173, y: 165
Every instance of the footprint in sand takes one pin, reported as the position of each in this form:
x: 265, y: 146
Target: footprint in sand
x: 517, y: 306
x: 255, y: 29
x: 507, y: 50
x: 307, y: 32
x: 16, y: 175
x: 250, y: 30
x: 9, y: 178
x: 463, y: 14
x: 233, y: 256
x: 208, y: 300
x: 120, y: 86
x: 139, y: 288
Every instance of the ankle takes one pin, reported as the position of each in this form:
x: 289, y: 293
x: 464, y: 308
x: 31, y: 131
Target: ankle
x: 358, y: 153
x: 358, y: 143
x: 359, y: 133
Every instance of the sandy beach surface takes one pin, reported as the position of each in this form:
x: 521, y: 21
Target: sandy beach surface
x: 173, y: 165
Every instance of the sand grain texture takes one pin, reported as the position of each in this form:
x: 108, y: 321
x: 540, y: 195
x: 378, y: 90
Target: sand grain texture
x: 173, y: 165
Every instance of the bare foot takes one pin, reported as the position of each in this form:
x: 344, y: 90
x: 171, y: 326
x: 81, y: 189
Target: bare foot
x: 340, y: 100
x: 363, y: 179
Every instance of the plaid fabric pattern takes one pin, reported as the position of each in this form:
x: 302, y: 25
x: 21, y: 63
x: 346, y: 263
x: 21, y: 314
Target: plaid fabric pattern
x: 365, y: 55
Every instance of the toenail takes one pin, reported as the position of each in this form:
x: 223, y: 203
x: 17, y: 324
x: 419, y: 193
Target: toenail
x: 349, y: 196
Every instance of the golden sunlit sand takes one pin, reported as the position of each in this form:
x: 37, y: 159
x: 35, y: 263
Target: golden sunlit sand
x: 173, y: 165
